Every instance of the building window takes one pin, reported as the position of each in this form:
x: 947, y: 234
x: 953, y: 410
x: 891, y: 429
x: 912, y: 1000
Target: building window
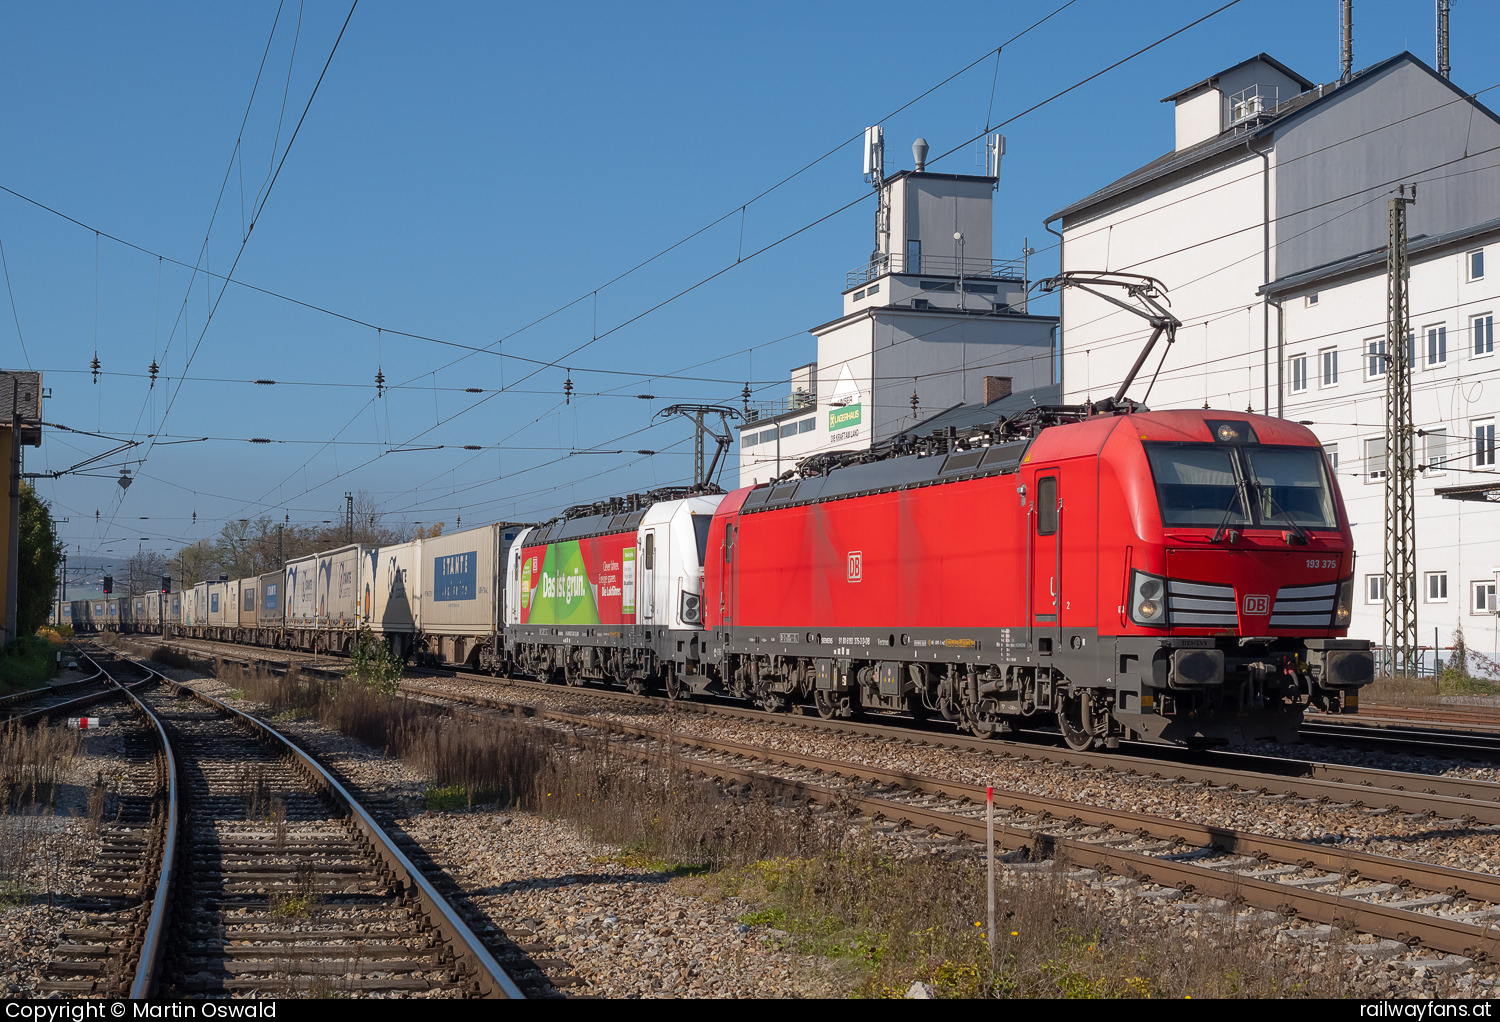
x: 858, y: 295
x: 1484, y: 443
x: 1312, y: 299
x: 1484, y: 597
x: 1299, y: 373
x: 1332, y: 450
x: 1375, y: 360
x: 790, y: 429
x: 1437, y: 587
x: 1374, y: 588
x: 938, y: 285
x: 874, y: 289
x: 1375, y: 460
x: 806, y: 425
x: 1329, y: 359
x: 1437, y: 345
x: 1483, y: 328
x: 1436, y: 454
x: 1476, y: 265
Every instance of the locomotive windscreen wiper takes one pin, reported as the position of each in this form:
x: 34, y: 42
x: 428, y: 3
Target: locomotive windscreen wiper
x: 1223, y: 528
x: 1273, y: 506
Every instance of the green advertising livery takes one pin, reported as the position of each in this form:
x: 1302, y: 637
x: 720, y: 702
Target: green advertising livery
x: 579, y: 582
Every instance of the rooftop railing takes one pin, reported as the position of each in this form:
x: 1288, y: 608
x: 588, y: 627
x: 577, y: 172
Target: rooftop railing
x: 938, y: 266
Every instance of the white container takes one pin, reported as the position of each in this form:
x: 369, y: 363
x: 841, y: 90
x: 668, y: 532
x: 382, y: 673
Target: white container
x: 301, y: 593
x: 391, y: 588
x: 461, y: 583
x: 339, y: 588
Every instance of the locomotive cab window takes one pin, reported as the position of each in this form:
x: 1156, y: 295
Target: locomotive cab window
x: 650, y: 550
x: 1213, y: 485
x: 1046, y: 505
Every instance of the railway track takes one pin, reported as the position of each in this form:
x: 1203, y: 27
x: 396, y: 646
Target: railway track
x: 125, y: 893
x: 281, y: 882
x: 1441, y: 797
x: 1415, y: 904
x: 1450, y: 910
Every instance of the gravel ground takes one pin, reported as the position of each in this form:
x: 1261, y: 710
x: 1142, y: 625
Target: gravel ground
x: 627, y: 931
x: 46, y: 853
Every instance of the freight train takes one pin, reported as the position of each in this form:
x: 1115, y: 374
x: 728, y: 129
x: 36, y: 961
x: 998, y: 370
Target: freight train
x: 1176, y: 577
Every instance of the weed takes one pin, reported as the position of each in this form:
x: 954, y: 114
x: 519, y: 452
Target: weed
x: 446, y: 799
x: 372, y: 664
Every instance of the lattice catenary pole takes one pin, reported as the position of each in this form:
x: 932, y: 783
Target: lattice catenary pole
x: 1400, y: 633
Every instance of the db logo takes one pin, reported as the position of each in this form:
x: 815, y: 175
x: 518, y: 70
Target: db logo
x: 856, y: 565
x: 1257, y: 605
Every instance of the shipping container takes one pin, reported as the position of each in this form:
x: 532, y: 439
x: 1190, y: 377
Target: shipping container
x: 302, y: 591
x: 391, y: 592
x: 249, y: 600
x: 462, y: 604
x: 340, y: 598
x: 218, y: 607
x: 200, y: 607
x: 270, y: 605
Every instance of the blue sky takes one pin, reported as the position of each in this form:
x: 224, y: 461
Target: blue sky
x: 467, y: 169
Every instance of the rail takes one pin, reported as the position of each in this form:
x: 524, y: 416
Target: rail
x: 491, y: 978
x: 153, y: 946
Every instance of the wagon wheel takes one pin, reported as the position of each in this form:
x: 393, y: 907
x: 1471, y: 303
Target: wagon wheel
x: 572, y: 673
x: 1070, y: 722
x: 632, y: 682
x: 827, y: 703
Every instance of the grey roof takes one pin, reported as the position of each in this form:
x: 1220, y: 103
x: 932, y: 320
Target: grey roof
x: 967, y: 415
x: 23, y: 389
x: 1264, y: 58
x: 1005, y: 312
x: 1233, y: 137
x: 1374, y: 257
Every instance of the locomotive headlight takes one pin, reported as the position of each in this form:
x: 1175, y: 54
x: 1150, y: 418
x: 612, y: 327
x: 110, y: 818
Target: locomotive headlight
x: 1147, y: 599
x: 1344, y: 609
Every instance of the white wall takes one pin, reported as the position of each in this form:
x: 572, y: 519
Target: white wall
x: 1203, y: 240
x: 1458, y: 538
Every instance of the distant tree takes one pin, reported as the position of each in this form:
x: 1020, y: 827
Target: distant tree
x: 194, y: 563
x: 143, y: 572
x: 245, y: 548
x: 36, y: 573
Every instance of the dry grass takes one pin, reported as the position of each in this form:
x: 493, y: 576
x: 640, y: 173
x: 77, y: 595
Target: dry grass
x: 891, y: 922
x: 33, y: 760
x: 835, y: 889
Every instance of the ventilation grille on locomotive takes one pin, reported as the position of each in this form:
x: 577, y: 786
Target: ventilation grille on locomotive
x: 1304, y: 606
x: 1194, y: 603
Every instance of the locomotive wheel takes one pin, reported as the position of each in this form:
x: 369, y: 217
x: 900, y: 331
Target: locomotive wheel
x: 675, y: 688
x: 1070, y: 722
x: 827, y: 704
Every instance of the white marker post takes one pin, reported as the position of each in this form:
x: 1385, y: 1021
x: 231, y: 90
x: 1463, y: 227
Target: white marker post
x: 83, y: 723
x: 989, y: 826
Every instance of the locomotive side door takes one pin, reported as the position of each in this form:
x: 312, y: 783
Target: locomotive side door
x: 1044, y: 550
x: 647, y: 606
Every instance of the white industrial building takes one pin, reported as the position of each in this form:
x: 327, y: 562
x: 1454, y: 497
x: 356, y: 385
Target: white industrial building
x: 931, y: 322
x: 1268, y: 223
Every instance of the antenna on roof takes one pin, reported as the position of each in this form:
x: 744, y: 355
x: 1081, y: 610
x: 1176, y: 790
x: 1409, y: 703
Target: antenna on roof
x: 1444, y: 68
x: 994, y: 149
x: 875, y: 175
x: 1346, y: 56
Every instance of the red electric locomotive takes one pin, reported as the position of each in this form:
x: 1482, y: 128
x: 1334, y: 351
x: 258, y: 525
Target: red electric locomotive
x: 1180, y: 577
